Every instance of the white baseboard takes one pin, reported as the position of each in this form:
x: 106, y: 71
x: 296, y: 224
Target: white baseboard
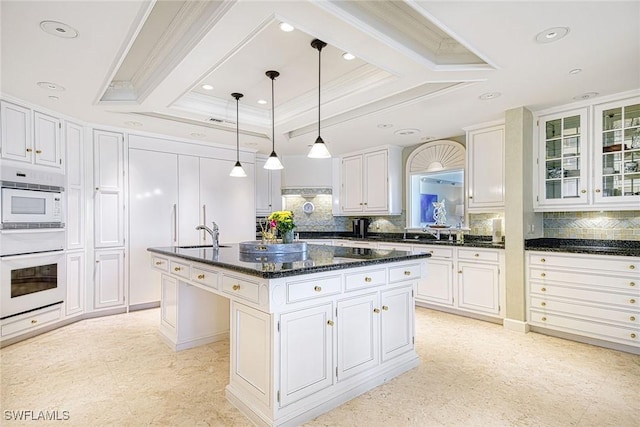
x: 516, y: 325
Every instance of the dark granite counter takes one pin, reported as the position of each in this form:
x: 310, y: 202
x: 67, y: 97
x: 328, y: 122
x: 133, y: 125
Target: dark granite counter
x: 316, y: 259
x: 412, y: 239
x: 585, y: 246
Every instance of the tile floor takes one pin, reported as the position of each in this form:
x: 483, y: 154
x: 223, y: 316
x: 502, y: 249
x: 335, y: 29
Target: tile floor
x: 116, y: 371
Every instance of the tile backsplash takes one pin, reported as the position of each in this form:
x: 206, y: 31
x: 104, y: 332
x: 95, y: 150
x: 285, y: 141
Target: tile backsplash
x: 609, y: 225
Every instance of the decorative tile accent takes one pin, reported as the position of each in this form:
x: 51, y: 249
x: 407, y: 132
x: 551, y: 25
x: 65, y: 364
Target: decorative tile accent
x: 611, y: 225
x: 482, y: 224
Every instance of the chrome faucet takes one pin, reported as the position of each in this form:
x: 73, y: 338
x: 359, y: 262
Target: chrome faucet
x: 213, y: 231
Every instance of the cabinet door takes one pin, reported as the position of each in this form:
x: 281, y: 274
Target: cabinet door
x: 109, y: 279
x: 74, y: 137
x: 437, y: 285
x: 108, y: 152
x: 358, y: 324
x: 478, y: 287
x: 75, y: 269
x: 16, y: 132
x: 46, y: 140
x: 189, y: 207
x: 228, y: 201
x: 562, y: 159
x: 397, y: 312
x: 375, y: 181
x: 617, y: 153
x: 153, y: 217
x: 169, y: 303
x: 486, y: 168
x: 306, y: 352
x: 352, y: 184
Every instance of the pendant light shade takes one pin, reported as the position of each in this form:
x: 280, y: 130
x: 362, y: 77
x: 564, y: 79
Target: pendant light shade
x: 237, y: 171
x: 273, y: 162
x: 319, y: 149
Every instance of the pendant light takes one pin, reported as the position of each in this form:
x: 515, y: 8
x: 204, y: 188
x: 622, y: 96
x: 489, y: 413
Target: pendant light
x: 319, y: 149
x: 237, y: 170
x: 273, y: 162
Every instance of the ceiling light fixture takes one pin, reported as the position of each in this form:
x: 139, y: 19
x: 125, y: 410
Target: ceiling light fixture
x: 552, y: 34
x: 51, y: 86
x: 385, y: 125
x: 405, y: 132
x: 575, y: 71
x: 207, y: 87
x: 489, y: 95
x: 262, y: 102
x: 587, y: 95
x: 273, y: 162
x: 237, y: 170
x: 348, y: 56
x: 319, y: 149
x: 59, y: 29
x: 287, y: 28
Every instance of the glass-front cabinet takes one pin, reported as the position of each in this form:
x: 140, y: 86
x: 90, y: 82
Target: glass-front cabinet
x: 562, y: 159
x: 617, y: 152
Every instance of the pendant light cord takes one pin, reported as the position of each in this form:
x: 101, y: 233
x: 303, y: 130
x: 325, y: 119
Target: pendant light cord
x: 319, y: 70
x: 237, y: 130
x: 273, y: 120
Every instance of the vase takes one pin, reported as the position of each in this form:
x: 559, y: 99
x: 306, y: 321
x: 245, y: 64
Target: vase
x: 287, y: 236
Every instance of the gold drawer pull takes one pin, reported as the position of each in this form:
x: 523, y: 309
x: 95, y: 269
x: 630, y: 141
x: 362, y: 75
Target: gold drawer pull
x: 177, y: 268
x: 34, y: 321
x: 407, y: 273
x: 385, y: 308
x: 632, y: 267
x: 476, y: 255
x: 317, y: 288
x: 632, y: 318
x: 236, y: 287
x: 38, y: 151
x: 543, y: 260
x: 543, y: 304
x: 633, y: 335
x: 430, y: 252
x: 632, y: 301
x: 543, y: 289
x: 200, y: 276
x: 158, y: 262
x: 632, y: 283
x: 367, y: 279
x: 544, y: 319
x: 29, y: 150
x: 543, y: 274
x: 376, y: 310
x: 330, y: 322
x: 597, y: 190
x: 583, y: 191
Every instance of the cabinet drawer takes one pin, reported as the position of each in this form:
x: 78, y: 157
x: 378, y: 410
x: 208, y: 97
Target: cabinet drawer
x: 630, y: 302
x: 365, y: 279
x: 404, y: 272
x: 179, y: 269
x: 160, y: 263
x: 623, y: 283
x: 478, y: 255
x: 241, y: 288
x: 436, y: 252
x: 29, y: 322
x: 308, y: 289
x: 630, y: 318
x: 206, y: 277
x: 609, y: 264
x: 628, y: 335
x: 394, y: 247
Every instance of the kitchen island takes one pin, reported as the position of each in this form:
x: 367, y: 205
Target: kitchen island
x: 308, y: 331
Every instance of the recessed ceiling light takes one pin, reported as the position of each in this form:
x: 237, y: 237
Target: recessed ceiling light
x: 552, y: 34
x: 348, y: 56
x: 51, y: 86
x: 287, y: 28
x: 132, y: 123
x: 58, y: 29
x: 53, y: 97
x: 489, y: 95
x: 385, y: 125
x: 575, y: 71
x: 405, y: 132
x: 197, y: 135
x: 587, y: 95
x: 261, y: 101
x: 207, y: 87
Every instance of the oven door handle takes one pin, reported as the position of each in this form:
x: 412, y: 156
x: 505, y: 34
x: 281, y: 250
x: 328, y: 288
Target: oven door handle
x: 31, y: 255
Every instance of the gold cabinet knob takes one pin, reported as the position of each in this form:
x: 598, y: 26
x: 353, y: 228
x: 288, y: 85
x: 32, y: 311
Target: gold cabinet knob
x: 29, y: 150
x: 430, y: 252
x: 632, y: 318
x: 597, y: 190
x: 97, y: 261
x: 34, y: 321
x: 544, y: 319
x: 632, y: 267
x: 471, y: 197
x: 38, y: 151
x: 158, y: 262
x: 632, y: 283
x: 177, y: 268
x: 543, y: 260
x: 543, y: 304
x: 367, y: 279
x: 376, y: 310
x: 200, y: 276
x: 543, y: 274
x: 543, y: 289
x: 583, y: 191
x: 330, y: 322
x: 633, y: 335
x: 385, y: 308
x: 407, y: 273
x: 632, y: 301
x: 317, y: 288
x: 476, y: 255
x: 236, y: 287
x: 459, y: 271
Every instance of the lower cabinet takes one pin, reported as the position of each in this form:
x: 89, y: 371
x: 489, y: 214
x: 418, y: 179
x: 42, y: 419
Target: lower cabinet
x: 75, y: 270
x: 478, y: 287
x: 358, y: 335
x: 109, y: 275
x: 397, y: 335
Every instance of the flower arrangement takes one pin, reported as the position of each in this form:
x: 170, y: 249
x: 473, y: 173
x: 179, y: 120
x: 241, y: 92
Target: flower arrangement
x: 282, y: 220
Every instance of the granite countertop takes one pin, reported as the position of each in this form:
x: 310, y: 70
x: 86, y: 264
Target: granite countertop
x: 585, y: 246
x: 412, y: 239
x: 317, y: 258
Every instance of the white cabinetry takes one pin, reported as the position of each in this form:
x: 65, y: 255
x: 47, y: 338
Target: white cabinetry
x: 30, y: 136
x: 109, y: 276
x: 268, y: 192
x: 358, y: 334
x: 485, y: 168
x: 371, y: 182
x: 397, y: 335
x: 587, y: 296
x: 438, y: 284
x: 478, y: 281
x: 75, y: 191
x: 75, y: 270
x: 108, y: 180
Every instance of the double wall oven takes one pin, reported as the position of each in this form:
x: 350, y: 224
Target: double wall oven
x: 32, y: 237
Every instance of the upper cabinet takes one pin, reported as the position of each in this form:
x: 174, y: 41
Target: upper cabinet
x: 108, y: 180
x: 370, y: 182
x: 589, y: 166
x: 485, y: 168
x: 30, y: 136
